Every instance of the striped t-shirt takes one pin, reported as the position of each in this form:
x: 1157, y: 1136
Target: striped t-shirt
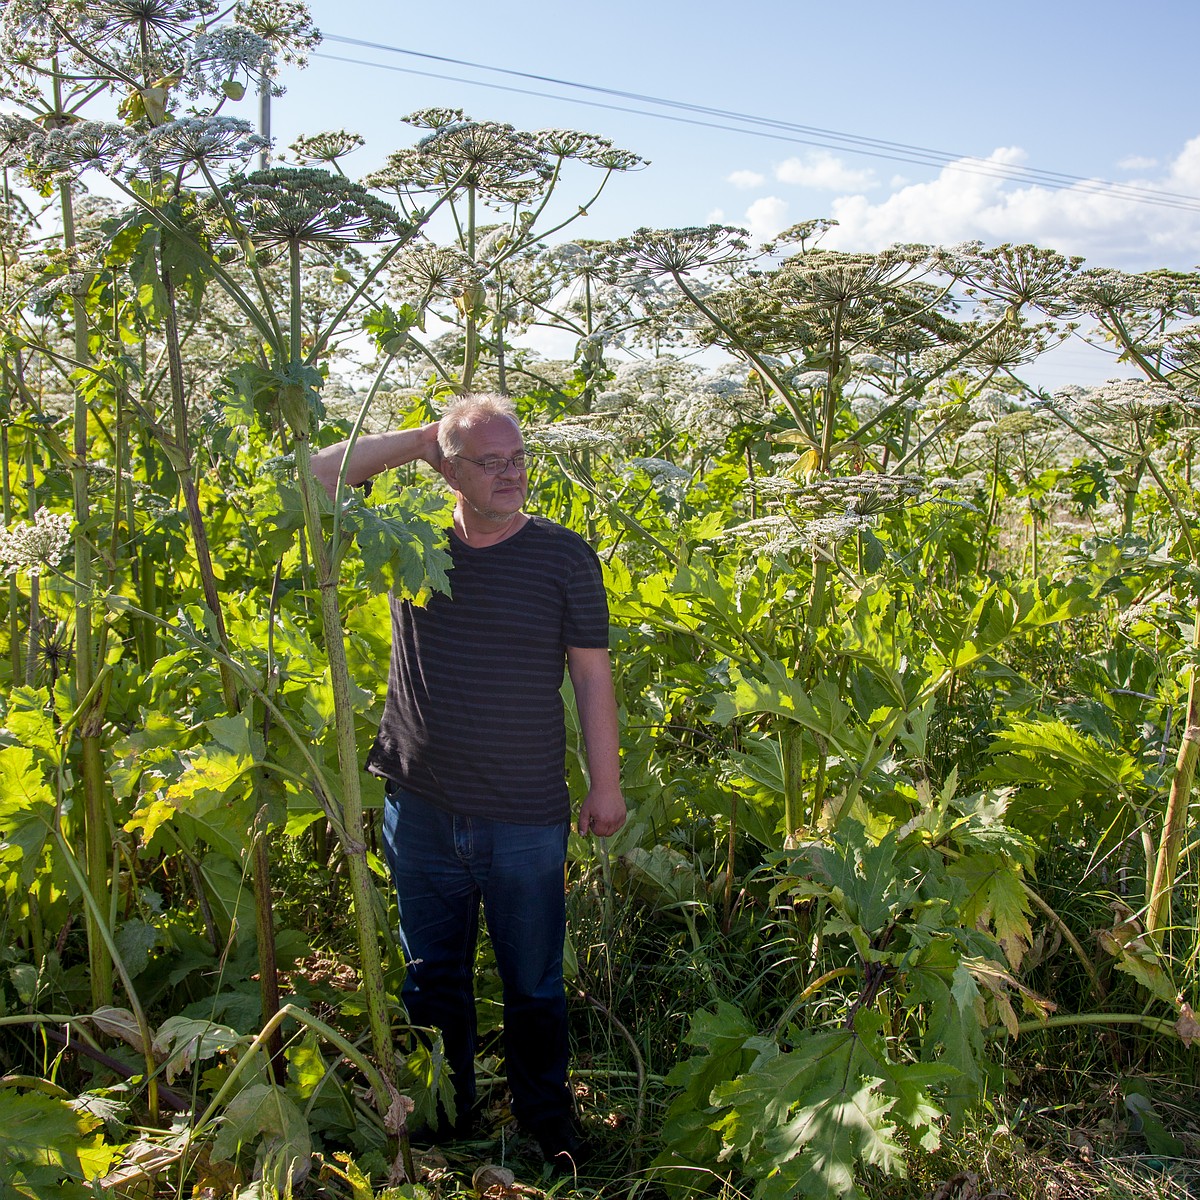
x: 474, y: 719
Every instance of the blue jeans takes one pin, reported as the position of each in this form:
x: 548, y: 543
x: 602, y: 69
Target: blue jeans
x: 442, y: 866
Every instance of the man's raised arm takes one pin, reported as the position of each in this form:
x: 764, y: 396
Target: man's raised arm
x: 375, y: 452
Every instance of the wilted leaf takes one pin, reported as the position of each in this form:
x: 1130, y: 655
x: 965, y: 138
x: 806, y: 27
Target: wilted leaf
x: 181, y: 1041
x: 1187, y: 1026
x: 1127, y: 943
x: 996, y: 899
x: 119, y: 1023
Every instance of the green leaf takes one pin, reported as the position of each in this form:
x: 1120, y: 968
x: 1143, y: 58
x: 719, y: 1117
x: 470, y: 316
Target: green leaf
x: 996, y: 899
x: 403, y: 545
x: 28, y: 720
x: 725, y: 1039
x: 671, y: 876
x: 135, y: 940
x: 26, y: 810
x: 263, y: 1111
x: 215, y: 768
x: 1144, y: 1119
x: 40, y: 1137
x: 805, y: 1120
x: 389, y: 328
x: 776, y: 691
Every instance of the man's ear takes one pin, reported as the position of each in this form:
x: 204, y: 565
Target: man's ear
x: 449, y: 471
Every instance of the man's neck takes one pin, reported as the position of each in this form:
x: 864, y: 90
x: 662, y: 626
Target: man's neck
x: 479, y: 530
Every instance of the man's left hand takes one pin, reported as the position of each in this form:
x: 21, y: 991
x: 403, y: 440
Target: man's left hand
x: 602, y: 812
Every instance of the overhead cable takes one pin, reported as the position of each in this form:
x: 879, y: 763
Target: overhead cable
x: 784, y: 131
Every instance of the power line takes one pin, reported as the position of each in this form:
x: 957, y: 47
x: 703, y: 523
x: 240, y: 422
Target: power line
x: 787, y: 131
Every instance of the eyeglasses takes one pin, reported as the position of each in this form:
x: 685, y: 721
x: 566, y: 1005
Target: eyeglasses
x: 521, y: 461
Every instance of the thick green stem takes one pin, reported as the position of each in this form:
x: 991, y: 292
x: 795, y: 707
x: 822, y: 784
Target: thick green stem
x: 354, y: 842
x: 792, y: 747
x: 97, y: 842
x: 1158, y: 910
x: 105, y: 933
x: 180, y: 452
x: 832, y: 387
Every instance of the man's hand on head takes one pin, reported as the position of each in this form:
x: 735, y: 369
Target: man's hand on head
x: 431, y: 451
x: 602, y: 812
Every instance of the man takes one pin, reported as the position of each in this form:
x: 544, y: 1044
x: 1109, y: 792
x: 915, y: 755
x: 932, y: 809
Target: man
x: 472, y: 745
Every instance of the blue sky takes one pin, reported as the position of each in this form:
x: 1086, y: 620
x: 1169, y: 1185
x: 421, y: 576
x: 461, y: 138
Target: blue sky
x: 1097, y: 90
x: 1081, y: 89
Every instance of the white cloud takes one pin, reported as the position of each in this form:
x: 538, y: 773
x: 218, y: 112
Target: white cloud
x: 716, y: 217
x: 745, y: 179
x: 1137, y: 162
x: 766, y: 217
x: 1095, y: 220
x: 820, y: 169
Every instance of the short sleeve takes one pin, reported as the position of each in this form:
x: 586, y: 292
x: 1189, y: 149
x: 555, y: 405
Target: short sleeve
x: 585, y: 624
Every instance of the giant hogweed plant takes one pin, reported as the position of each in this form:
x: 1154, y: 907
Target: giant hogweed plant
x: 193, y: 226
x: 809, y: 712
x: 919, y: 927
x: 60, y: 60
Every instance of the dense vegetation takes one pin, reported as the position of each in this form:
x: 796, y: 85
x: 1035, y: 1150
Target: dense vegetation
x: 906, y: 650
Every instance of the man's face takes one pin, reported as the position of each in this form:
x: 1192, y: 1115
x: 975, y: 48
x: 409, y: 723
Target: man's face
x: 493, y: 497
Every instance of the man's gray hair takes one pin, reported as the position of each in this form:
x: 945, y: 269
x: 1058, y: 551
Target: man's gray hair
x: 465, y: 411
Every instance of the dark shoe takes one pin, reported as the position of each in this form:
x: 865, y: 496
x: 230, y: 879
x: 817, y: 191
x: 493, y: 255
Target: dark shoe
x: 562, y: 1144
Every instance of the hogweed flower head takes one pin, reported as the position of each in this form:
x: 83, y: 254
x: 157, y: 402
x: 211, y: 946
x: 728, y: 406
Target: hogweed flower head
x: 771, y: 535
x: 867, y: 494
x: 198, y: 141
x: 823, y: 531
x: 35, y: 545
x: 667, y: 478
x: 146, y: 38
x: 326, y: 147
x: 18, y: 138
x: 570, y: 436
x: 435, y: 118
x: 223, y: 56
x: 430, y: 271
x: 1101, y: 289
x: 680, y: 251
x: 75, y: 149
x: 502, y: 165
x: 286, y: 25
x: 1120, y: 401
x: 1021, y: 275
x: 305, y: 206
x: 586, y: 148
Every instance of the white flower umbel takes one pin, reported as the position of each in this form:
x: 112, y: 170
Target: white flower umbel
x: 326, y: 147
x: 1120, y: 400
x: 226, y: 57
x: 824, y: 531
x: 195, y: 141
x: 35, y: 545
x: 85, y: 146
x: 666, y: 478
x: 565, y: 437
